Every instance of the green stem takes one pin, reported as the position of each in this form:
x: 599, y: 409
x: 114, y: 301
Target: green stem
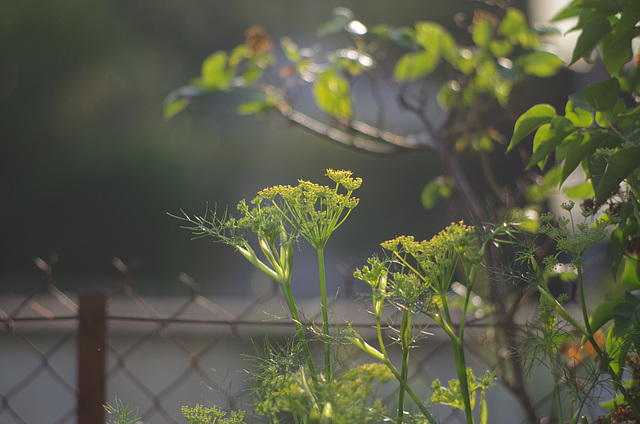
x: 410, y: 392
x: 325, y: 315
x: 554, y: 375
x: 286, y: 289
x: 405, y: 336
x: 460, y: 362
x: 381, y: 355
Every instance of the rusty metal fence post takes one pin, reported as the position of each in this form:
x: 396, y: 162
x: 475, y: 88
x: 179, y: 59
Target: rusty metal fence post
x: 92, y: 352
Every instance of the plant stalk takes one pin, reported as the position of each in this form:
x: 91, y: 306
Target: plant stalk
x: 286, y: 289
x: 325, y: 315
x: 460, y: 362
x: 405, y: 335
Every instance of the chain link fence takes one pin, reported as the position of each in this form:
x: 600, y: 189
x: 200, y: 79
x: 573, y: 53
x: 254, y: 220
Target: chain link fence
x: 65, y: 355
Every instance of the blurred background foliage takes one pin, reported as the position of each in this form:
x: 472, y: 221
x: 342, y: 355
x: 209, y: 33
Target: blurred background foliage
x: 89, y: 168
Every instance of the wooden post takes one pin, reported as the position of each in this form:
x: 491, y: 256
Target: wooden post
x: 92, y: 353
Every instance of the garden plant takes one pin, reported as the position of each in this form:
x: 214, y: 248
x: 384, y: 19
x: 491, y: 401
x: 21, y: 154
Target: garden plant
x: 507, y: 250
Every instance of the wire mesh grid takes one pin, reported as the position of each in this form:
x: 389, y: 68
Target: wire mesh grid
x: 163, y: 353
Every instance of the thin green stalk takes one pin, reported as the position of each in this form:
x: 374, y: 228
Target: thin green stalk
x: 325, y: 315
x: 460, y: 362
x: 405, y: 335
x: 410, y: 392
x: 286, y: 288
x: 554, y: 375
x: 357, y: 341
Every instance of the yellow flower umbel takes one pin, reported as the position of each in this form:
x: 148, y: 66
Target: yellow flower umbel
x: 277, y: 217
x: 315, y: 212
x: 416, y: 278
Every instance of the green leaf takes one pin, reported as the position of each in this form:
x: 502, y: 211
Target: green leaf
x: 579, y: 116
x: 616, y: 347
x: 619, y: 240
x: 437, y: 189
x: 621, y: 165
x: 178, y: 99
x: 515, y: 28
x: 341, y: 17
x: 403, y: 36
x: 500, y: 48
x: 176, y: 106
x: 618, y: 246
x: 577, y: 147
x: 612, y: 404
x: 448, y: 94
x: 615, y: 53
x: 548, y: 137
x: 215, y: 73
x: 413, y: 66
x: 603, y: 96
x: 434, y: 38
x: 631, y: 274
x: 566, y: 13
x: 258, y: 106
x: 290, y: 49
x: 591, y: 34
x: 602, y: 314
x: 541, y: 64
x: 579, y: 101
x: 580, y: 191
x: 482, y: 33
x: 529, y: 121
x: 333, y: 93
x: 604, y: 6
x: 616, y: 46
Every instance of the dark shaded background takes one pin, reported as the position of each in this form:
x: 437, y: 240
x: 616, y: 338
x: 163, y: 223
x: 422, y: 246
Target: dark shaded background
x: 89, y: 169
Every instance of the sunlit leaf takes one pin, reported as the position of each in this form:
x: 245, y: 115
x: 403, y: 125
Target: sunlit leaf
x: 434, y: 38
x: 257, y: 106
x: 333, y: 93
x: 437, y: 189
x: 413, y: 66
x: 215, y: 73
x: 631, y: 274
x: 579, y: 116
x: 581, y: 191
x: 603, y: 314
x: 176, y: 106
x: 616, y: 347
x: 448, y: 94
x: 514, y: 27
x: 178, y: 99
x: 290, y: 49
x: 548, y: 137
x: 482, y: 33
x: 541, y: 64
x: 500, y: 48
x: 529, y: 121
